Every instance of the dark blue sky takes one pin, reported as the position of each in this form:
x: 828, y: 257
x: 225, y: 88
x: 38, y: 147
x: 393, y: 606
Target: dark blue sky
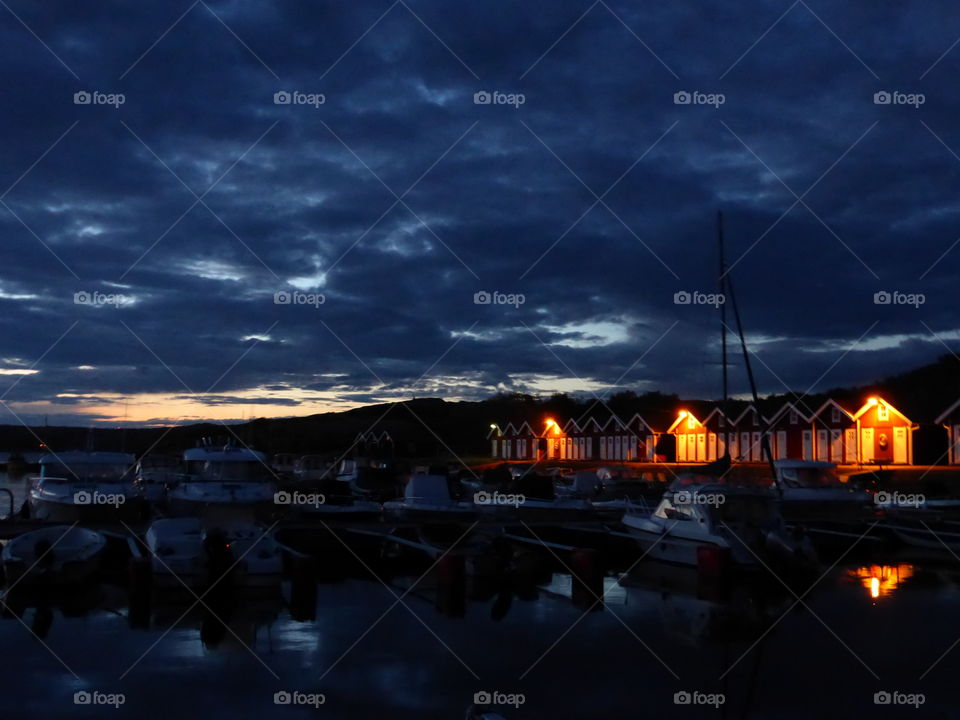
x: 399, y: 198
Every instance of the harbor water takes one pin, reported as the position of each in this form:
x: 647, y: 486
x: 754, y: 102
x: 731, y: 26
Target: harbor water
x: 397, y: 636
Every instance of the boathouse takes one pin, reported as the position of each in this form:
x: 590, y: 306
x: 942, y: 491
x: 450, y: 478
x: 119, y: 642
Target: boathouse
x: 884, y: 434
x: 747, y: 428
x: 644, y: 438
x: 835, y: 433
x: 715, y: 426
x: 687, y: 429
x: 791, y: 434
x: 950, y: 419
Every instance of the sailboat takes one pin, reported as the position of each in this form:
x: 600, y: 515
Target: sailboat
x: 702, y: 516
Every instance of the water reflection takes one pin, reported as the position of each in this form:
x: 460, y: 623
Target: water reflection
x: 882, y: 580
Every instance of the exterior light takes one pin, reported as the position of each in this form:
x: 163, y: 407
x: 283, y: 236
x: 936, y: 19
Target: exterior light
x: 872, y: 401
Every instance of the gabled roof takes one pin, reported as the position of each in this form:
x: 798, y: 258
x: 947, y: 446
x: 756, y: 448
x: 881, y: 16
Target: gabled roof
x: 510, y: 429
x: 494, y: 428
x: 590, y: 421
x: 746, y: 411
x: 788, y: 407
x: 946, y: 413
x: 716, y: 411
x: 683, y: 416
x: 614, y: 423
x: 571, y: 423
x: 637, y: 417
x: 868, y: 405
x: 830, y: 402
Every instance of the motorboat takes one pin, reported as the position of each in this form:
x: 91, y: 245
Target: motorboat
x: 428, y: 498
x: 191, y: 551
x: 176, y: 551
x: 85, y: 486
x: 696, y: 520
x: 810, y: 491
x: 155, y: 474
x: 222, y: 476
x: 53, y: 555
x: 533, y: 498
x: 328, y: 500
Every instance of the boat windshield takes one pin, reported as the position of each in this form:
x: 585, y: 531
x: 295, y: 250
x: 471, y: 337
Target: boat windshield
x: 809, y: 478
x: 87, y: 472
x: 235, y: 471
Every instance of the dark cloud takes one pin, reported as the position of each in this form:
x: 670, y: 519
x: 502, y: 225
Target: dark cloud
x: 491, y: 197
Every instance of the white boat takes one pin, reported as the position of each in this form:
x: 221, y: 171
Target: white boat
x: 85, y: 486
x: 155, y: 474
x: 224, y: 476
x: 534, y: 498
x: 427, y: 498
x: 176, y: 551
x: 60, y: 554
x: 741, y: 523
x: 810, y: 490
x: 190, y: 551
x: 254, y: 557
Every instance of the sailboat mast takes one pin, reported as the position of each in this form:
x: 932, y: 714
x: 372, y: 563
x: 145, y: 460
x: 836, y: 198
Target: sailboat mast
x: 721, y: 282
x: 764, y: 434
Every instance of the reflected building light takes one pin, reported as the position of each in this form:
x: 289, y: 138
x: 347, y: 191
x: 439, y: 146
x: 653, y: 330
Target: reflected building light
x: 882, y: 580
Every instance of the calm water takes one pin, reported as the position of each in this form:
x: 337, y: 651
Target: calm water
x: 517, y: 632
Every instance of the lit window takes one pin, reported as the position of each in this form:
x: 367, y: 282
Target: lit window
x: 883, y: 412
x: 691, y: 423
